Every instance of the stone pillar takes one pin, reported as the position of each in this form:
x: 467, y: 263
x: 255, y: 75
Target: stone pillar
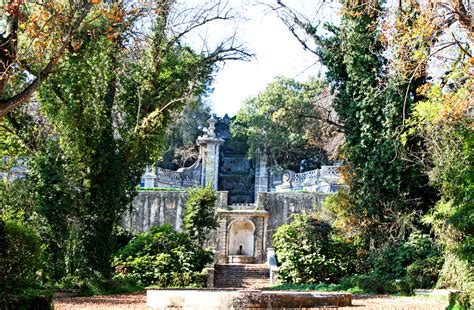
x: 221, y: 254
x: 261, y: 174
x: 259, y: 240
x: 209, y: 146
x: 222, y: 198
x: 149, y: 177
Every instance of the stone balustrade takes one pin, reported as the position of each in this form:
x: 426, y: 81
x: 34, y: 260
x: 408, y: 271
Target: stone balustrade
x: 183, y: 178
x: 166, y: 174
x: 325, y: 180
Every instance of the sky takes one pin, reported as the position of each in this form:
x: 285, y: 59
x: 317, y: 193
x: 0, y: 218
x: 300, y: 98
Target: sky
x: 277, y: 53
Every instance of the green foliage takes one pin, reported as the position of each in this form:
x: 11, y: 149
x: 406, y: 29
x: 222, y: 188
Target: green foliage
x: 308, y: 251
x: 108, y: 114
x: 417, y: 262
x: 200, y: 217
x: 321, y: 287
x: 371, y: 283
x: 356, y: 284
x: 20, y: 249
x: 370, y: 103
x: 27, y: 299
x: 443, y: 123
x: 340, y: 209
x: 276, y: 122
x: 456, y: 273
x: 162, y: 257
x: 461, y: 301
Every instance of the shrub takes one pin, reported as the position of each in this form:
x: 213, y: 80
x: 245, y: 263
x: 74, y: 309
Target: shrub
x: 416, y: 261
x: 162, y: 257
x: 460, y: 301
x: 20, y: 248
x: 26, y: 299
x: 308, y: 252
x: 456, y: 274
x: 423, y: 273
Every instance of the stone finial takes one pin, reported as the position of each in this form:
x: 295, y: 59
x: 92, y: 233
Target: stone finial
x: 212, y: 127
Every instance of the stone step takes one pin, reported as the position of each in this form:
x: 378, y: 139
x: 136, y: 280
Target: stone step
x: 241, y: 276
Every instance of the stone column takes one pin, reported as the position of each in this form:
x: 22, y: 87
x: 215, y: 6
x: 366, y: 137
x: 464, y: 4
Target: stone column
x: 209, y: 152
x: 149, y: 177
x: 222, y: 198
x: 259, y: 246
x: 222, y: 241
x: 261, y: 174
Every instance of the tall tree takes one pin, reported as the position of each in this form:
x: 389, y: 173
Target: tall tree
x: 371, y: 103
x: 280, y: 121
x: 109, y: 103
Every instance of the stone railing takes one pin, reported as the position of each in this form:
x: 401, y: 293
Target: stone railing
x: 183, y: 178
x: 166, y: 174
x: 307, y: 177
x: 326, y: 180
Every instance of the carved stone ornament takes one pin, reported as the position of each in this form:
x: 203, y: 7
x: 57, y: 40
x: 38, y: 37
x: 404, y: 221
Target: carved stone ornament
x: 288, y: 176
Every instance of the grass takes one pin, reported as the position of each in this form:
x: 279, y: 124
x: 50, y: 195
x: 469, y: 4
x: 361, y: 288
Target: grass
x: 161, y: 189
x: 322, y: 287
x: 177, y: 287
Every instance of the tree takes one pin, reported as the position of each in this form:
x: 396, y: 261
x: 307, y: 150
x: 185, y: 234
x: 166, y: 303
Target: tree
x: 108, y: 105
x: 34, y: 36
x: 371, y: 101
x: 280, y: 122
x: 443, y: 122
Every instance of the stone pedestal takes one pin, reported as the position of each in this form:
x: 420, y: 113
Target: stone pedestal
x: 149, y: 177
x: 209, y: 146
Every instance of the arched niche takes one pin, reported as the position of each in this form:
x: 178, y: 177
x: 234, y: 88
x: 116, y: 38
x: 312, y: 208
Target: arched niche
x: 241, y: 237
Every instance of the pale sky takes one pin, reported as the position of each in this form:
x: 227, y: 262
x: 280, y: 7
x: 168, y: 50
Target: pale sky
x: 277, y: 53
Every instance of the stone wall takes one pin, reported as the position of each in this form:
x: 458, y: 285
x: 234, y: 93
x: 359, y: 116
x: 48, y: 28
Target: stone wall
x: 273, y: 209
x: 280, y: 206
x: 158, y: 207
x: 154, y: 208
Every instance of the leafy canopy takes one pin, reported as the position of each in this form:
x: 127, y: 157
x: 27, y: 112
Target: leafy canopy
x: 275, y: 123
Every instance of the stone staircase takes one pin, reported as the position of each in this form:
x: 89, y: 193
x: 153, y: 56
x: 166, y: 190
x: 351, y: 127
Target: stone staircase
x: 242, y: 276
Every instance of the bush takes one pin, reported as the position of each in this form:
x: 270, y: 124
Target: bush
x: 460, y: 301
x: 308, y: 251
x: 162, y: 257
x: 27, y: 299
x: 456, y: 274
x: 416, y: 261
x: 424, y: 273
x: 20, y: 248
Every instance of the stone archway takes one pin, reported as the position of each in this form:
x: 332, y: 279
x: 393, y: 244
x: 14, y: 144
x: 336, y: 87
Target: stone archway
x: 241, y: 238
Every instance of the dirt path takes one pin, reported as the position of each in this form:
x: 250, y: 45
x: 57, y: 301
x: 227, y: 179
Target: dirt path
x: 137, y: 301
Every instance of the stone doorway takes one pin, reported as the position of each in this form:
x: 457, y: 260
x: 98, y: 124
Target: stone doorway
x: 241, y: 241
